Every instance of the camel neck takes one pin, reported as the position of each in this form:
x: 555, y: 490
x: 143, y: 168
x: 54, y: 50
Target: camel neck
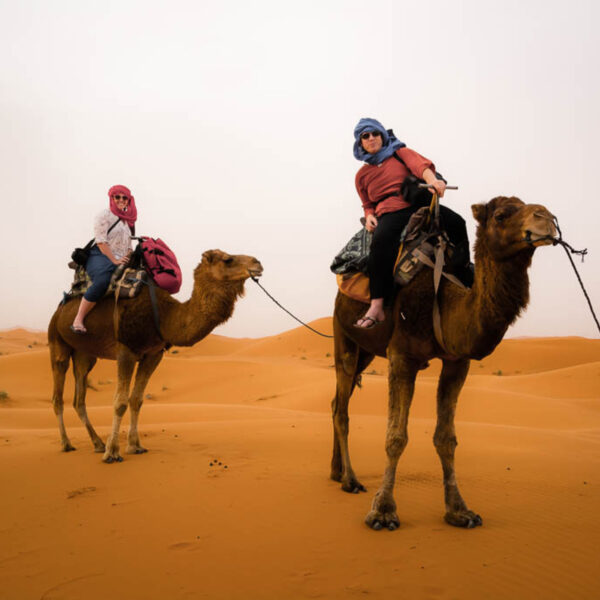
x: 499, y: 293
x: 211, y: 304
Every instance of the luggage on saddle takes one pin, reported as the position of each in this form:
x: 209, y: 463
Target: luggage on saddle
x: 419, y: 244
x: 126, y: 280
x: 423, y: 244
x: 161, y: 264
x: 350, y: 266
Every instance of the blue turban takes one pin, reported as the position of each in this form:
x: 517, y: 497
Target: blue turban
x: 390, y: 142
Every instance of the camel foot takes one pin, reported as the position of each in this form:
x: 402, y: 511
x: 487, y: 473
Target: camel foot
x: 378, y: 520
x: 68, y: 447
x: 99, y: 448
x: 112, y: 459
x: 353, y: 486
x: 136, y: 450
x: 467, y: 519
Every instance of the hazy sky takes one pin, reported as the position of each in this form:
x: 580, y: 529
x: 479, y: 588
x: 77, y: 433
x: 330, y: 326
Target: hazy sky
x: 232, y: 124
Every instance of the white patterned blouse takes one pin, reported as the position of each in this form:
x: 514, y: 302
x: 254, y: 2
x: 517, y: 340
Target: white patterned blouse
x: 118, y: 240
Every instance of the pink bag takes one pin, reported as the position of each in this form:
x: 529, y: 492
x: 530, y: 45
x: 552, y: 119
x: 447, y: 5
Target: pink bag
x: 161, y: 264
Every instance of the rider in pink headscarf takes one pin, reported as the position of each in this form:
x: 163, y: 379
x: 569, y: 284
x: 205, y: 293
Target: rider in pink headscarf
x: 112, y: 248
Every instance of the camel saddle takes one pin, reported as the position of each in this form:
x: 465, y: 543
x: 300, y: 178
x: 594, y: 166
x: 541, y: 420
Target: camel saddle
x: 125, y: 282
x: 421, y: 245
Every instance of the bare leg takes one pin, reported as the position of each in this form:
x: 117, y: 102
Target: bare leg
x: 452, y: 378
x: 374, y: 314
x: 350, y: 361
x: 402, y: 374
x: 84, y: 308
x: 145, y: 369
x: 82, y: 365
x: 126, y: 360
x: 59, y: 359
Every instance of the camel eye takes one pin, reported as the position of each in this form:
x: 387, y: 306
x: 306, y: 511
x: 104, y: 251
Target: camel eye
x: 501, y: 216
x: 228, y: 261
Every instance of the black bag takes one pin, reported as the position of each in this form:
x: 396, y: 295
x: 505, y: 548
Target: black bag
x: 353, y: 257
x: 80, y: 255
x: 411, y: 191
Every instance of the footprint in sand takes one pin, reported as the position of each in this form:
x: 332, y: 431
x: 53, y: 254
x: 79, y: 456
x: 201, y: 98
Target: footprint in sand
x: 80, y: 492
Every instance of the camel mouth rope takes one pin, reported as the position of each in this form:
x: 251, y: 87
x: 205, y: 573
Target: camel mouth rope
x: 570, y: 250
x: 255, y: 279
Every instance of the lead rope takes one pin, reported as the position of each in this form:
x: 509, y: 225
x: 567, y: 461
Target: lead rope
x: 288, y: 312
x: 582, y: 253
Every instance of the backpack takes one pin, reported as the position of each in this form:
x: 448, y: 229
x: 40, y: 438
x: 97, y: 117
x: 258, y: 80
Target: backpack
x: 410, y: 190
x: 161, y: 264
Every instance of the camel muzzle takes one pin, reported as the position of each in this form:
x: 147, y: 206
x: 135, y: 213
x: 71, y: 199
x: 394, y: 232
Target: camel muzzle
x: 542, y: 230
x: 539, y: 240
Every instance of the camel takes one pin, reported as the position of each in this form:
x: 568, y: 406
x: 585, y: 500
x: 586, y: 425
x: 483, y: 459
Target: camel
x: 474, y: 322
x: 218, y: 282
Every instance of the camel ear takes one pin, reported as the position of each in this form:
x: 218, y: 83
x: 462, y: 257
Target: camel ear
x: 479, y: 212
x: 208, y: 256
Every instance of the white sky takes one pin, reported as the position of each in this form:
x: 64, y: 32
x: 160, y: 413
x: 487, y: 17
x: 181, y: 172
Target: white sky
x: 232, y: 124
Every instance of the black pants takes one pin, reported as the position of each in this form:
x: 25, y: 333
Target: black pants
x: 386, y: 243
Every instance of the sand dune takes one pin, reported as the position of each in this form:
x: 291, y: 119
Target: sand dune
x: 263, y: 520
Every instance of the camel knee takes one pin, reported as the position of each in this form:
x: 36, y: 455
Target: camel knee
x: 136, y: 404
x: 58, y: 404
x: 341, y: 422
x: 445, y: 443
x: 395, y: 443
x: 81, y: 410
x: 120, y: 409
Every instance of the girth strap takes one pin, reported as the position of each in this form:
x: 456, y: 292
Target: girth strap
x: 155, y: 315
x: 437, y: 276
x: 153, y: 302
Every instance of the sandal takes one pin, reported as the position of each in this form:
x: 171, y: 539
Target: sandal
x: 374, y: 322
x: 78, y: 330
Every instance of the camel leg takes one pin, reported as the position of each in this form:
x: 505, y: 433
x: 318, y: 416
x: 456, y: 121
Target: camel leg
x: 59, y: 359
x: 145, y: 369
x: 350, y: 361
x: 82, y: 365
x: 126, y: 360
x: 452, y: 379
x: 402, y: 374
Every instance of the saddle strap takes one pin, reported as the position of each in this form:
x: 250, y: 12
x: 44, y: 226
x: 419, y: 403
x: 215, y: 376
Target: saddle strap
x: 115, y: 310
x: 427, y: 261
x: 437, y: 276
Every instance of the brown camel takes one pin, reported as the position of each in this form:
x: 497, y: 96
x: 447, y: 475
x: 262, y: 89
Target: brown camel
x: 218, y: 282
x: 474, y: 322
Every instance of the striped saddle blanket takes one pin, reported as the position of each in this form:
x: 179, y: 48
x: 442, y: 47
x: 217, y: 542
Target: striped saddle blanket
x: 126, y: 280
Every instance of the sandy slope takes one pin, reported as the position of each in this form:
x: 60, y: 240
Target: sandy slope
x: 264, y: 521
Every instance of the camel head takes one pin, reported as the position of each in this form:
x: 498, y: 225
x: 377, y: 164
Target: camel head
x: 508, y: 226
x: 229, y: 267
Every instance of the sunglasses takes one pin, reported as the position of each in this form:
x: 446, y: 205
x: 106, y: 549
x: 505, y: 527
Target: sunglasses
x: 118, y: 197
x: 368, y: 134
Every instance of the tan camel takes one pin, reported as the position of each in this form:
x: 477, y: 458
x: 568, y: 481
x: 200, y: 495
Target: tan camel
x: 218, y: 282
x: 473, y: 323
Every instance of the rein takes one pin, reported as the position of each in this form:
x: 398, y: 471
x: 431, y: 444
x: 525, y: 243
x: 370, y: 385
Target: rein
x: 570, y: 250
x: 255, y: 279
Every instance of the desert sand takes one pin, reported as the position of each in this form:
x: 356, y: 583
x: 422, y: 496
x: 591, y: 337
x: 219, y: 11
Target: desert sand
x: 233, y: 499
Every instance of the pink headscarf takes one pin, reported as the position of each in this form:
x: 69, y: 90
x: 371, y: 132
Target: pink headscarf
x: 129, y: 215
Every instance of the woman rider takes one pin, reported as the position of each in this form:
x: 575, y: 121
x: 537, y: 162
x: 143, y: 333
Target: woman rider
x: 113, y: 228
x: 378, y: 183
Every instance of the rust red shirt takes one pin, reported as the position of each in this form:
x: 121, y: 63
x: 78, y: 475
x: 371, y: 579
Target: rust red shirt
x: 374, y: 182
